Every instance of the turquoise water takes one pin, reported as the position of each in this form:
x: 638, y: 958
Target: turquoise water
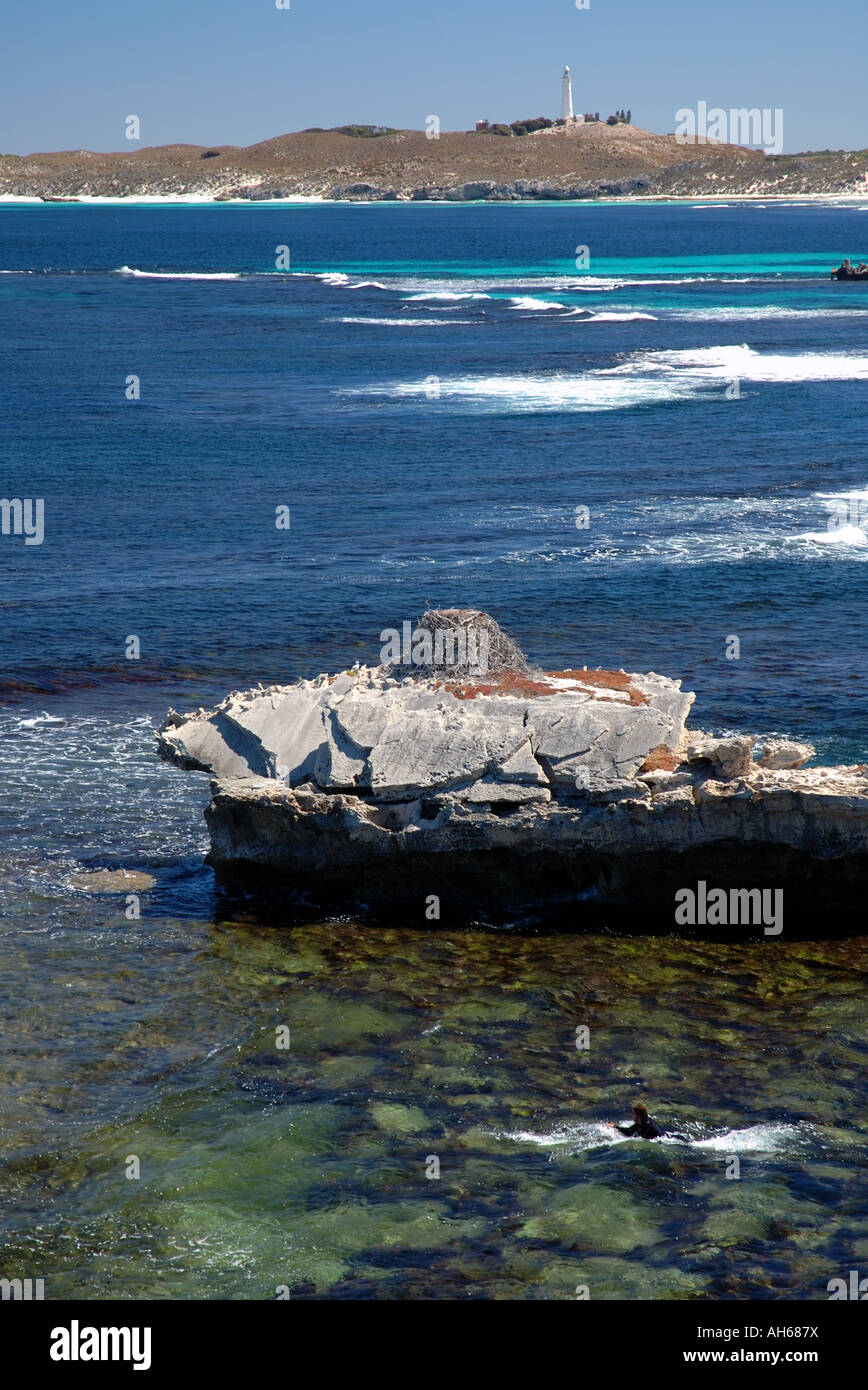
x: 153, y: 1037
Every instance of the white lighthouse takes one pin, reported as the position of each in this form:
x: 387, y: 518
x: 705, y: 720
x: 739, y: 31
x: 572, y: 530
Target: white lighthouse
x: 567, y: 96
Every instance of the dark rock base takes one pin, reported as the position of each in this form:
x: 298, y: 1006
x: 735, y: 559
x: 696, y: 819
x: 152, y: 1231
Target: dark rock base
x: 625, y: 895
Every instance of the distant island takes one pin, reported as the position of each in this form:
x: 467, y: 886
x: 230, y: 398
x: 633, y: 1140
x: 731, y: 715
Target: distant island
x: 530, y: 159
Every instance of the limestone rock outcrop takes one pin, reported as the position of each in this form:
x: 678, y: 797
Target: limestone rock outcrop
x: 728, y: 757
x: 505, y: 790
x: 368, y: 734
x: 782, y: 753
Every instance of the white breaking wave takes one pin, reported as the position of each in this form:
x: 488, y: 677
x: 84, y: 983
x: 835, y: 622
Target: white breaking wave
x: 431, y: 286
x: 838, y: 535
x: 724, y: 363
x: 338, y: 278
x: 735, y: 313
x: 520, y: 290
x: 606, y: 317
x: 527, y: 303
x: 847, y: 524
x: 586, y: 282
x: 178, y: 274
x: 646, y: 378
x: 409, y: 322
x: 449, y: 295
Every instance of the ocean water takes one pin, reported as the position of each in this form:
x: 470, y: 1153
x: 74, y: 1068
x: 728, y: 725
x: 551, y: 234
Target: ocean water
x: 433, y: 391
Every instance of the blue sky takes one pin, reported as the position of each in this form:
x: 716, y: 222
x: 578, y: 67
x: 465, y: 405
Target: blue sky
x: 238, y: 71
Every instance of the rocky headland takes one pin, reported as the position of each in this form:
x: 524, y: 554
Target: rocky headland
x: 577, y: 162
x: 511, y: 791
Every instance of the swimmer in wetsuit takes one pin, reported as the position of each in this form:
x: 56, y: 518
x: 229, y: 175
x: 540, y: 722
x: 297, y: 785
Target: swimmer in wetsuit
x: 643, y: 1127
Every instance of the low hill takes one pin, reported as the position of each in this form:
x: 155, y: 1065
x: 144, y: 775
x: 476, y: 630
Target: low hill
x: 584, y: 161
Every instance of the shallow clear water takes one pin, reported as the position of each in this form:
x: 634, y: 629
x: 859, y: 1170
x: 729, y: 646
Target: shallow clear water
x: 312, y: 1167
x: 155, y: 1036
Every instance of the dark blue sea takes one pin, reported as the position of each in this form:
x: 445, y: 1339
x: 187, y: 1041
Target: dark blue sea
x: 628, y: 462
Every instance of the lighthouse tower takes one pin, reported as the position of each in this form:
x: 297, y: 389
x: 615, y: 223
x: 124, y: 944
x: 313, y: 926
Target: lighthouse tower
x: 567, y: 96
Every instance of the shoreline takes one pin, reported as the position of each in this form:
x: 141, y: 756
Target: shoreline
x: 315, y: 200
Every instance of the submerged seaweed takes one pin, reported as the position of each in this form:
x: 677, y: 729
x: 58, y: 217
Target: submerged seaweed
x: 310, y: 1167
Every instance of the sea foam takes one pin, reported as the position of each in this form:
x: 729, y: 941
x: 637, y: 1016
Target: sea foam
x: 755, y: 1139
x: 589, y: 391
